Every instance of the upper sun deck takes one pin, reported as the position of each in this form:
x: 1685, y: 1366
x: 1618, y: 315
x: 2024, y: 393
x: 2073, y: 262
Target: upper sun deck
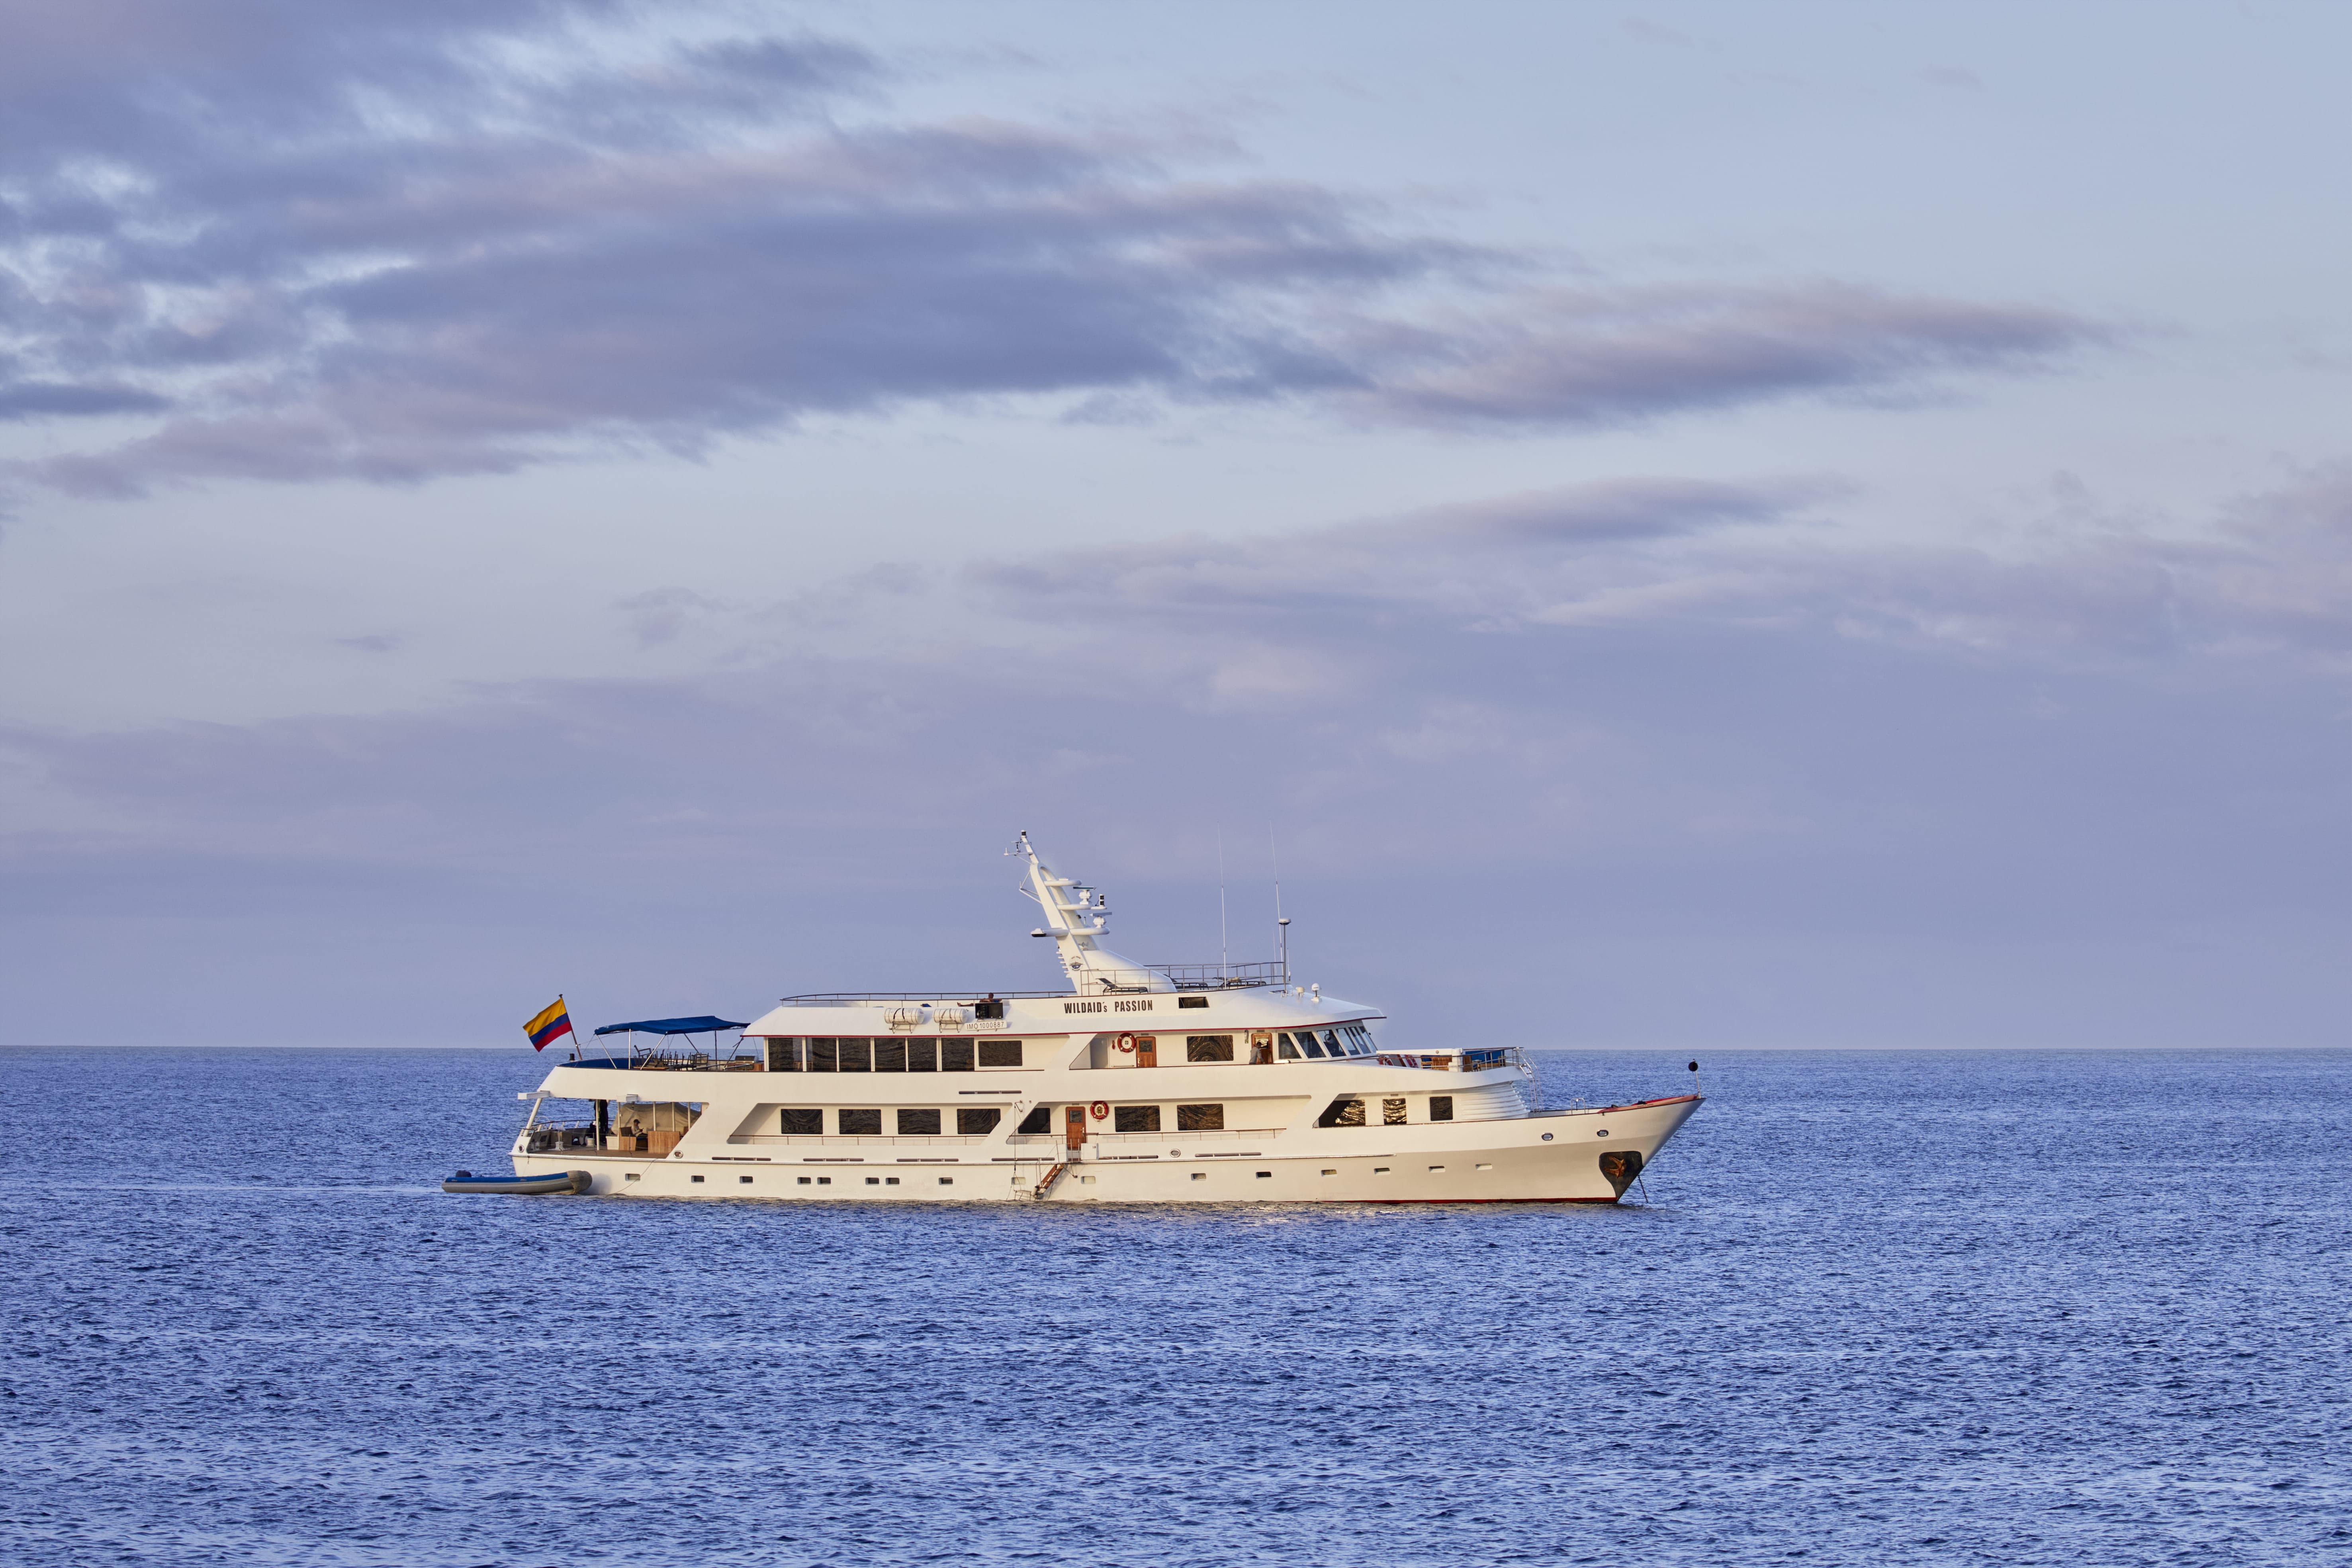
x: 1256, y: 1004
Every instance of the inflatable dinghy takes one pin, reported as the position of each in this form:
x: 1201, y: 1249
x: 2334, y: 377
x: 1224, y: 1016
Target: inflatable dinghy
x: 524, y: 1186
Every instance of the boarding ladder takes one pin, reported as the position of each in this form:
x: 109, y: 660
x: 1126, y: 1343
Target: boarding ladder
x: 1047, y: 1184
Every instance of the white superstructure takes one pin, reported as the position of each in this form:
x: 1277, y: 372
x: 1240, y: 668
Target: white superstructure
x: 1138, y: 1084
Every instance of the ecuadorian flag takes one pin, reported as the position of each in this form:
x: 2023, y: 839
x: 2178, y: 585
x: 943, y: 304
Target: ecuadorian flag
x: 553, y: 1024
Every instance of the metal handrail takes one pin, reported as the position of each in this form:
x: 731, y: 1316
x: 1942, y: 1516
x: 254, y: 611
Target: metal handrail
x: 1185, y: 977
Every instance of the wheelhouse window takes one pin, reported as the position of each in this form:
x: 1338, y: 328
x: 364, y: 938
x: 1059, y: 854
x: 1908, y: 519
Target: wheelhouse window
x: 974, y: 1120
x: 1342, y: 1113
x: 1136, y: 1119
x: 955, y: 1056
x: 1000, y: 1053
x: 1441, y: 1107
x: 1200, y: 1118
x: 918, y: 1123
x: 1284, y: 1046
x: 1310, y: 1044
x: 1208, y: 1048
x: 861, y: 1123
x: 806, y: 1123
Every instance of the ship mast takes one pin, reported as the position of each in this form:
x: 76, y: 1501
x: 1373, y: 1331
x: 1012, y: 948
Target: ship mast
x: 1076, y: 919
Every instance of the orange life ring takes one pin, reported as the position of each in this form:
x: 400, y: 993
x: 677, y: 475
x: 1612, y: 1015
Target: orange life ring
x: 1100, y: 1110
x: 1126, y: 1042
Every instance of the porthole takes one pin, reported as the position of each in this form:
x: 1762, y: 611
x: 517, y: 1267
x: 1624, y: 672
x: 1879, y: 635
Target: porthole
x: 949, y: 1180
x: 746, y: 1181
x: 1264, y: 1176
x: 1546, y: 1138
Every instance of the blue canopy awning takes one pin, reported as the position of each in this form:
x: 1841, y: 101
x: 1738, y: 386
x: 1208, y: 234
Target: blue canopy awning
x: 703, y: 1026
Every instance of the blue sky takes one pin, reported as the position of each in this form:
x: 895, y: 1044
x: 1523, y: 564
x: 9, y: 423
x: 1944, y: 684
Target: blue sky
x: 1769, y: 524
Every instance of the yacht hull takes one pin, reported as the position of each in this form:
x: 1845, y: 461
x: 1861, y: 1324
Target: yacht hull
x: 1589, y: 1156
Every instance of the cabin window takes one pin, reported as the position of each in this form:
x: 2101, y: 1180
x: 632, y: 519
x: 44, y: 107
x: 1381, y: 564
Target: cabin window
x: 824, y: 1053
x: 1192, y: 1001
x: 1136, y: 1119
x: 805, y: 1123
x: 1441, y: 1107
x: 889, y: 1056
x: 1208, y: 1048
x: 955, y: 1056
x: 1000, y: 1053
x: 918, y: 1123
x: 988, y: 1009
x: 1200, y: 1118
x: 974, y: 1120
x: 923, y: 1055
x: 1342, y: 1113
x: 861, y: 1123
x: 783, y: 1055
x: 856, y: 1055
x: 1038, y: 1120
x: 1391, y: 1112
x: 1289, y: 1051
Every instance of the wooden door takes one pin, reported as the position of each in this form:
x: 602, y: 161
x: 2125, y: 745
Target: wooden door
x: 1074, y: 1127
x: 1147, y: 1050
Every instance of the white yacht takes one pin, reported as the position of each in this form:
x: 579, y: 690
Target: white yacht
x: 1137, y: 1084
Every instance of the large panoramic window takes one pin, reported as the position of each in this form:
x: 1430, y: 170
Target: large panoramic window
x: 955, y: 1056
x: 1136, y: 1119
x: 1441, y: 1107
x: 783, y: 1054
x: 923, y: 1055
x: 889, y: 1056
x: 1200, y: 1118
x: 1000, y: 1053
x: 856, y: 1055
x: 1038, y: 1120
x: 800, y: 1121
x: 861, y: 1123
x: 1208, y: 1048
x: 1342, y: 1113
x: 918, y: 1123
x: 973, y: 1120
x: 1393, y: 1112
x: 824, y: 1053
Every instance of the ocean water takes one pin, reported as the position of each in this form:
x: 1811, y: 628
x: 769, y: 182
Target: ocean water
x: 1869, y: 1308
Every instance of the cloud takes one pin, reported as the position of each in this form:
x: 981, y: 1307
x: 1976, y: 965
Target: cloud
x: 397, y: 242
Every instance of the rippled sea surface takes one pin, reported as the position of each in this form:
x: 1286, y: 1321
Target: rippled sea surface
x: 1872, y: 1309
